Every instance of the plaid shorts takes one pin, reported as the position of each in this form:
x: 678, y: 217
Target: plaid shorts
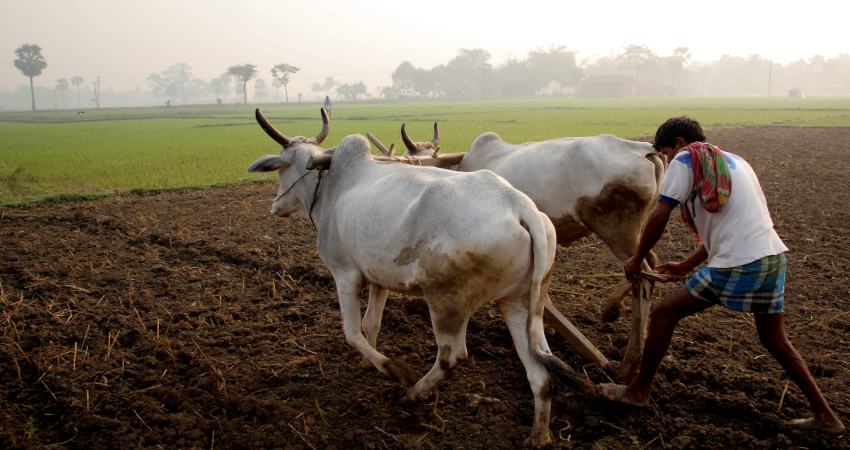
x: 757, y: 287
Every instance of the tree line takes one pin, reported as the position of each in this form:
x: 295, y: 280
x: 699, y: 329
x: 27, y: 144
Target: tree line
x: 635, y: 71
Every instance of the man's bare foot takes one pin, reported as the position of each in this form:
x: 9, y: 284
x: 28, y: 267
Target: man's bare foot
x: 835, y: 426
x: 616, y: 393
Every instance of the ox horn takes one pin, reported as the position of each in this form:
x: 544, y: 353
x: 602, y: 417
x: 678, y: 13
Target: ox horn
x: 379, y: 145
x: 407, y: 141
x: 436, y: 140
x: 326, y: 128
x: 279, y: 137
x: 319, y: 162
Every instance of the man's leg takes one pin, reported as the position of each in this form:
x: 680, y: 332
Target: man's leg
x: 771, y: 329
x: 662, y: 322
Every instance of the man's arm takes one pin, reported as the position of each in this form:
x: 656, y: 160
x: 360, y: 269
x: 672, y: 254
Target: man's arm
x: 686, y: 265
x: 648, y: 237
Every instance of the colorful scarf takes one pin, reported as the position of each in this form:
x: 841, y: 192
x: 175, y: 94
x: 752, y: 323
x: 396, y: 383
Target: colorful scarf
x: 712, y: 181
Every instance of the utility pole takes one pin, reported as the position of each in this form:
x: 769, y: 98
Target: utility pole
x: 770, y: 78
x: 97, y: 92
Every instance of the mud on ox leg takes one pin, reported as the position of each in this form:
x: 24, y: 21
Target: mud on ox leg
x: 449, y: 324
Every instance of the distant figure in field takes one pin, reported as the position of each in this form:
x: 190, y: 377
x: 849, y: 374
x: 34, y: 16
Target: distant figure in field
x: 327, y: 105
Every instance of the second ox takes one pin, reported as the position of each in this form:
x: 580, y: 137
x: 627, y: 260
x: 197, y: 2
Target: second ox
x: 603, y: 185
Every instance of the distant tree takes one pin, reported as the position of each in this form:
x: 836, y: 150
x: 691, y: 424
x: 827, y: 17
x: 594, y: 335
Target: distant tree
x: 175, y: 82
x: 243, y: 73
x: 30, y: 61
x: 556, y: 63
x: 351, y: 91
x: 328, y: 85
x: 316, y: 88
x: 468, y: 74
x: 62, y: 86
x: 515, y: 78
x: 261, y: 92
x: 680, y: 58
x: 220, y: 86
x: 280, y: 73
x: 636, y: 58
x: 404, y: 75
x: 77, y: 81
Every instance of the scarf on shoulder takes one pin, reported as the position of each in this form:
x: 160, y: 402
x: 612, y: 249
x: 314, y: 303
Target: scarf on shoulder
x: 712, y: 181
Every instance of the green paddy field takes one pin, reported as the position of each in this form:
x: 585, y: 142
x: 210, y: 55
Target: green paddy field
x: 55, y: 155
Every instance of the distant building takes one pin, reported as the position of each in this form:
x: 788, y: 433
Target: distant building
x: 607, y: 86
x: 554, y: 88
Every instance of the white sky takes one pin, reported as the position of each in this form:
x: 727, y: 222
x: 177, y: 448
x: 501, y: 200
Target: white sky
x: 351, y: 40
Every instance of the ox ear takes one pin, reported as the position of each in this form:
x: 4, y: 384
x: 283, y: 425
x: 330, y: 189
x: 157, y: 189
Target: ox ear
x: 267, y: 163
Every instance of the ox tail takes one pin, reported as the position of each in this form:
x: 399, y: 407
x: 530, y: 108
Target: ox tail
x: 659, y: 163
x: 543, y: 244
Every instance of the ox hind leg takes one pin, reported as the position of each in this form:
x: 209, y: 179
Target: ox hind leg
x: 449, y: 324
x: 515, y: 314
x: 372, y: 317
x: 348, y: 287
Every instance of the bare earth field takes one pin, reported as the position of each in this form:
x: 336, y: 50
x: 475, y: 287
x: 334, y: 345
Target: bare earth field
x: 196, y: 319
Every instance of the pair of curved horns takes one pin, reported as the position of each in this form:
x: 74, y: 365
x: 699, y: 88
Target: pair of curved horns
x: 412, y: 145
x: 281, y: 138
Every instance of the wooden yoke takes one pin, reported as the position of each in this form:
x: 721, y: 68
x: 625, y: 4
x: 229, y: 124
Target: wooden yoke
x: 441, y: 161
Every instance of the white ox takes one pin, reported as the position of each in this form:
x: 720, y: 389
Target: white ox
x: 458, y: 239
x: 602, y: 184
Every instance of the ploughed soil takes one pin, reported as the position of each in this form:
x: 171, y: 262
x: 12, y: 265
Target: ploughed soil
x: 196, y: 319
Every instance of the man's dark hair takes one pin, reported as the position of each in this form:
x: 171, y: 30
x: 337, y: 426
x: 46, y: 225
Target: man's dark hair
x: 683, y: 127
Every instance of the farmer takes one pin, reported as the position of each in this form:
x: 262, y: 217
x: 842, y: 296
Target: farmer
x: 721, y: 200
x: 327, y: 105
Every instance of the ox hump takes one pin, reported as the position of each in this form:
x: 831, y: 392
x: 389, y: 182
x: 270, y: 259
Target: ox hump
x: 351, y: 148
x: 486, y: 139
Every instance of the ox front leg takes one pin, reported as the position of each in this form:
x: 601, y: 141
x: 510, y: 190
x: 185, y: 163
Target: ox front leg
x: 450, y: 332
x: 348, y: 292
x: 641, y: 304
x: 515, y: 314
x: 372, y: 316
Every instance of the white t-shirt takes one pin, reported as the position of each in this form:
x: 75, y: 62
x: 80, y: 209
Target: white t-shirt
x: 742, y: 231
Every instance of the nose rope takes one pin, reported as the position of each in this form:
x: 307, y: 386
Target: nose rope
x: 280, y: 196
x: 315, y: 196
x: 315, y: 191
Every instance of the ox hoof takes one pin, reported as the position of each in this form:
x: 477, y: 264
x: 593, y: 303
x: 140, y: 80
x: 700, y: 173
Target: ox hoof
x: 416, y: 396
x: 627, y: 371
x: 539, y: 439
x: 398, y: 370
x: 612, y: 313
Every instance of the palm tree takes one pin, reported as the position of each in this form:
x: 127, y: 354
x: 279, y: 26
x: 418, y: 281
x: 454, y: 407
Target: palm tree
x: 31, y: 63
x: 281, y: 72
x: 62, y: 86
x: 329, y: 84
x: 77, y: 81
x: 243, y: 73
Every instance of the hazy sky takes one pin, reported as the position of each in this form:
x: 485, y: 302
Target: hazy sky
x: 125, y: 40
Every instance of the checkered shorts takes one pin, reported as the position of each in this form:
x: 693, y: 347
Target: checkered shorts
x: 757, y: 287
